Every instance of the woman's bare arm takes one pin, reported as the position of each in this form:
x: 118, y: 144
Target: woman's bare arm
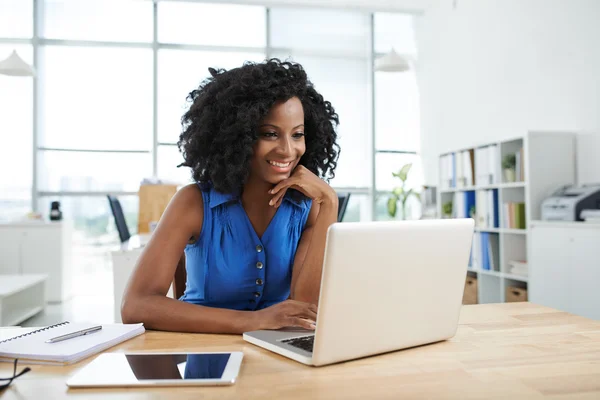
x: 308, y: 263
x: 145, y: 296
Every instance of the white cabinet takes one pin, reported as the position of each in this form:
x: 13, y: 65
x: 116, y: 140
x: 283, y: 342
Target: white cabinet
x: 39, y: 248
x: 565, y: 267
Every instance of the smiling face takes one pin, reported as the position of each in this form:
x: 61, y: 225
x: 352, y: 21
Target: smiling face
x: 280, y: 143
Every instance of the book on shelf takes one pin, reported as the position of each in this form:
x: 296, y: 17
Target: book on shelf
x: 514, y: 215
x: 518, y: 267
x: 519, y: 166
x: 475, y: 258
x: 486, y: 207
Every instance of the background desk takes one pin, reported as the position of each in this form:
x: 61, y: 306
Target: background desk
x: 501, y: 351
x: 38, y: 247
x: 123, y: 263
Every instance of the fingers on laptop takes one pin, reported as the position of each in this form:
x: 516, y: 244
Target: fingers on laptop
x: 302, y: 314
x: 301, y: 322
x: 290, y: 313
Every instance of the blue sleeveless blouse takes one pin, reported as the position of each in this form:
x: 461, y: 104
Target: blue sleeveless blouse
x: 229, y: 266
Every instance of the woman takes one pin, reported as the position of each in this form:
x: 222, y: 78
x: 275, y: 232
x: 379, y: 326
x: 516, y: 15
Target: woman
x: 253, y: 228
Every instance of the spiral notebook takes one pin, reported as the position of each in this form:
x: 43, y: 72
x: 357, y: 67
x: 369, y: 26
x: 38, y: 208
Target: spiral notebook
x: 31, y: 347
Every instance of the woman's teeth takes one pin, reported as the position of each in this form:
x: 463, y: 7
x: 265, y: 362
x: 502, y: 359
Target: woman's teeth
x: 281, y: 165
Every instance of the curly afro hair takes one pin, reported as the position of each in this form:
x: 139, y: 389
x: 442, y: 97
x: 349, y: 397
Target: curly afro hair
x: 220, y: 127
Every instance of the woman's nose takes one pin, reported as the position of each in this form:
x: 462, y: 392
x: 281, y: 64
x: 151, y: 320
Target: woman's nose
x: 286, y: 146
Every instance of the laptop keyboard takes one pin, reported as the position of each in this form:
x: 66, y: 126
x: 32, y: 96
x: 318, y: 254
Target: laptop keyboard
x: 304, y: 343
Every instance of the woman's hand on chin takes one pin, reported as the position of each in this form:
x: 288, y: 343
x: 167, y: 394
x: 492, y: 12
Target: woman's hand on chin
x: 303, y: 180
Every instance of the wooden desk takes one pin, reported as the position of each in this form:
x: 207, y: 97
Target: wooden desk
x: 515, y: 351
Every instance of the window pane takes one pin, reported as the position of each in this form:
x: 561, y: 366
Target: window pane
x: 16, y: 105
x: 103, y: 20
x: 96, y: 98
x: 180, y: 72
x: 387, y: 163
x: 320, y: 30
x: 16, y: 18
x: 358, y: 209
x: 94, y: 236
x: 344, y: 82
x: 413, y: 209
x: 397, y: 121
x: 75, y: 171
x: 211, y: 24
x: 394, y: 31
x: 169, y: 158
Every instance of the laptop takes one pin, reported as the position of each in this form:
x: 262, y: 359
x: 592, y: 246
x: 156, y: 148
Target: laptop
x: 386, y: 286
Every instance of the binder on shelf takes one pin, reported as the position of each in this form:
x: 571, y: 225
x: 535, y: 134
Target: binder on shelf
x: 453, y: 170
x: 484, y: 250
x: 475, y: 260
x: 460, y: 181
x: 462, y: 204
x: 490, y: 251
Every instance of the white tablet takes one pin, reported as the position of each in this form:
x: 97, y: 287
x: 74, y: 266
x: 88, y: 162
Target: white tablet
x: 159, y: 369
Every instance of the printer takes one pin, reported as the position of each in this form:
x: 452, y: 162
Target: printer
x: 567, y: 204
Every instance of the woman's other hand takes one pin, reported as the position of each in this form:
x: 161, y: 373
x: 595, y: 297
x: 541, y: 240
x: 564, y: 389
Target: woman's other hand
x: 288, y: 313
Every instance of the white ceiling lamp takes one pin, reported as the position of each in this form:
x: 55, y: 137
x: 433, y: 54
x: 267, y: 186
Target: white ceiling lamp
x: 15, y: 66
x: 392, y: 62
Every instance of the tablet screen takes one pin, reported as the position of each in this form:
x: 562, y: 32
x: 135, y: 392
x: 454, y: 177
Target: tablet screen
x: 177, y: 366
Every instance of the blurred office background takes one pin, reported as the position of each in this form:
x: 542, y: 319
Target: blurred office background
x: 102, y: 112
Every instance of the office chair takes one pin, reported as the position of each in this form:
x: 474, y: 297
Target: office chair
x: 117, y: 211
x: 343, y: 199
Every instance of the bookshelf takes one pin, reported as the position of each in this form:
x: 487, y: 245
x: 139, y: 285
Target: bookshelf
x: 473, y: 180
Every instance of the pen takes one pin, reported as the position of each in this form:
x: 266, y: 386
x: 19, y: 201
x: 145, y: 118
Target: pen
x: 74, y: 334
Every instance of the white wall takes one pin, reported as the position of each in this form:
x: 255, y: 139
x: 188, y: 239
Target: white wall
x: 493, y: 69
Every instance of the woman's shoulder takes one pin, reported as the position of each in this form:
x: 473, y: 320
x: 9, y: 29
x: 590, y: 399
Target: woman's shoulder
x: 188, y: 201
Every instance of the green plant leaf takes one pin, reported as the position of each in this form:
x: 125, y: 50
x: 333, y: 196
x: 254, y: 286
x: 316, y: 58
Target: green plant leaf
x: 404, y: 172
x: 398, y: 191
x: 392, y: 206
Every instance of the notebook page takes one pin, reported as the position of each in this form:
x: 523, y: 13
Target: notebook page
x: 34, y: 346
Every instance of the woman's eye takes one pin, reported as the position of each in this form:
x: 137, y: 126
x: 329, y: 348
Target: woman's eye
x: 298, y: 135
x: 269, y: 134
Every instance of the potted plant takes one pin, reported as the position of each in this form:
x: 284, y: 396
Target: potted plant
x: 509, y: 163
x: 401, y: 193
x: 447, y: 210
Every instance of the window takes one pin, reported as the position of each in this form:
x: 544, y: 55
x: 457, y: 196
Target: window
x: 94, y: 236
x: 320, y: 31
x: 397, y: 111
x: 16, y: 127
x: 96, y: 98
x: 92, y: 172
x: 211, y: 24
x: 169, y: 158
x: 180, y: 72
x: 397, y: 122
x: 16, y: 18
x: 105, y: 20
x: 333, y: 49
x: 394, y: 30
